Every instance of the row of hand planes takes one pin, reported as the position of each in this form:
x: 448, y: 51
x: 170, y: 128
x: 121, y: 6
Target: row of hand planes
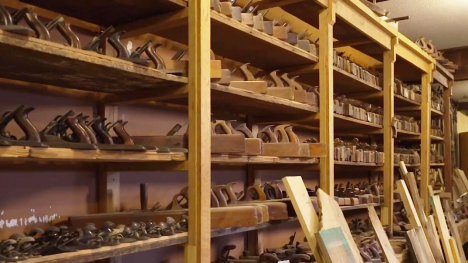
x: 10, y: 23
x: 250, y: 16
x: 269, y: 134
x: 409, y: 91
x: 346, y: 64
x: 70, y: 131
x: 56, y: 240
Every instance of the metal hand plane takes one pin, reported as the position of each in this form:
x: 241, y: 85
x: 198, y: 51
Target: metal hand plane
x: 9, y: 22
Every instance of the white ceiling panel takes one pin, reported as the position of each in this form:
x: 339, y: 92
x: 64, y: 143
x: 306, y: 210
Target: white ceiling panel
x: 443, y: 21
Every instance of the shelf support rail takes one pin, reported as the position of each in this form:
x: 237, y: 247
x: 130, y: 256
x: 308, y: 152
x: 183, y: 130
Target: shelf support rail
x: 198, y: 248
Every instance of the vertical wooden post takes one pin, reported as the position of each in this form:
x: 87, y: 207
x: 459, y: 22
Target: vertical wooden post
x: 199, y: 158
x: 448, y: 138
x: 327, y: 20
x: 255, y: 237
x: 389, y: 112
x: 426, y: 135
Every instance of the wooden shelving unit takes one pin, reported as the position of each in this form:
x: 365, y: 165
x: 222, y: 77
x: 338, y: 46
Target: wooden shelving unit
x: 36, y: 61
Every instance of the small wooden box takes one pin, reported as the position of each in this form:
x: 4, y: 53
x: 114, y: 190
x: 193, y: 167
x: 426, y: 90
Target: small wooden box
x: 228, y: 143
x: 254, y: 86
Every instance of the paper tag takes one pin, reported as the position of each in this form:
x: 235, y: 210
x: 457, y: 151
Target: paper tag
x: 284, y: 261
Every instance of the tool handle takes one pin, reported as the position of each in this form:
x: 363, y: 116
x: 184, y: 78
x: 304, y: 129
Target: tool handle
x: 36, y: 25
x: 115, y: 42
x: 5, y: 16
x: 119, y: 129
x: 153, y: 55
x: 66, y: 31
x: 144, y: 197
x: 21, y: 118
x: 77, y: 130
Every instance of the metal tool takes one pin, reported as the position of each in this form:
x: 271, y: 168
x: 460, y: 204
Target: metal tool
x: 220, y: 127
x: 96, y: 43
x: 278, y: 82
x: 10, y: 22
x: 158, y: 61
x: 242, y: 128
x: 20, y: 115
x: 122, y: 51
x: 179, y: 54
x: 33, y: 22
x: 267, y: 135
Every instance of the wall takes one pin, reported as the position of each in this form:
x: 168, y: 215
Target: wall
x: 462, y: 122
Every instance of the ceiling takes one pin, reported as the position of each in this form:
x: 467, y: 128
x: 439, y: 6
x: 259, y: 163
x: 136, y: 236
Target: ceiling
x: 443, y: 21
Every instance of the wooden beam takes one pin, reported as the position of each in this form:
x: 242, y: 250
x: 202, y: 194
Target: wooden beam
x: 305, y: 211
x: 459, y: 56
x: 408, y: 203
x: 448, y: 138
x: 157, y: 94
x: 443, y: 229
x: 425, y: 136
x: 389, y: 113
x: 382, y: 237
x: 420, y: 246
x: 198, y: 249
x: 327, y: 170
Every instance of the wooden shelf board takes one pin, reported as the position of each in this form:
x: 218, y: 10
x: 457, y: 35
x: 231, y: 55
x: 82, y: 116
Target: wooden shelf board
x: 343, y: 82
x: 307, y: 11
x: 39, y: 61
x: 436, y: 138
x: 436, y: 113
x: 236, y: 230
x: 232, y: 39
x: 409, y: 165
x: 437, y: 164
x: 255, y: 104
x: 224, y: 159
x: 401, y: 101
x: 112, y: 251
x: 348, y: 124
x: 357, y: 164
x: 418, y: 134
x: 67, y: 155
x: 110, y: 12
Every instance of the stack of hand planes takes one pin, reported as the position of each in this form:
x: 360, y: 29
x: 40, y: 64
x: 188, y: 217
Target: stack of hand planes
x: 250, y: 16
x: 409, y: 91
x: 437, y: 97
x: 430, y: 49
x: 437, y: 125
x: 356, y: 151
x: 71, y: 131
x: 36, y: 28
x: 406, y: 123
x: 278, y: 86
x: 57, y: 240
x: 346, y: 64
x: 358, y: 110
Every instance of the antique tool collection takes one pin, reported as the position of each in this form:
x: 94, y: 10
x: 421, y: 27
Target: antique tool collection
x: 409, y: 91
x: 42, y: 31
x: 250, y: 16
x: 366, y: 241
x: 357, y: 109
x: 73, y: 131
x: 436, y: 179
x: 56, y: 240
x: 430, y: 49
x: 346, y: 64
x: 356, y: 151
x: 357, y: 194
x: 281, y: 86
x: 406, y: 123
x: 407, y: 155
x: 290, y: 252
x: 437, y: 99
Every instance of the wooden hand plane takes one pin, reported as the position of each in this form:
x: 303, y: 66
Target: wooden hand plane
x: 10, y: 23
x: 250, y: 83
x: 20, y: 115
x: 122, y: 51
x: 150, y: 50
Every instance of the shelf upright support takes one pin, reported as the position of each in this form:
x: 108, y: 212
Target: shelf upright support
x: 389, y: 59
x: 448, y: 138
x: 327, y: 19
x: 198, y: 248
x: 426, y: 135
